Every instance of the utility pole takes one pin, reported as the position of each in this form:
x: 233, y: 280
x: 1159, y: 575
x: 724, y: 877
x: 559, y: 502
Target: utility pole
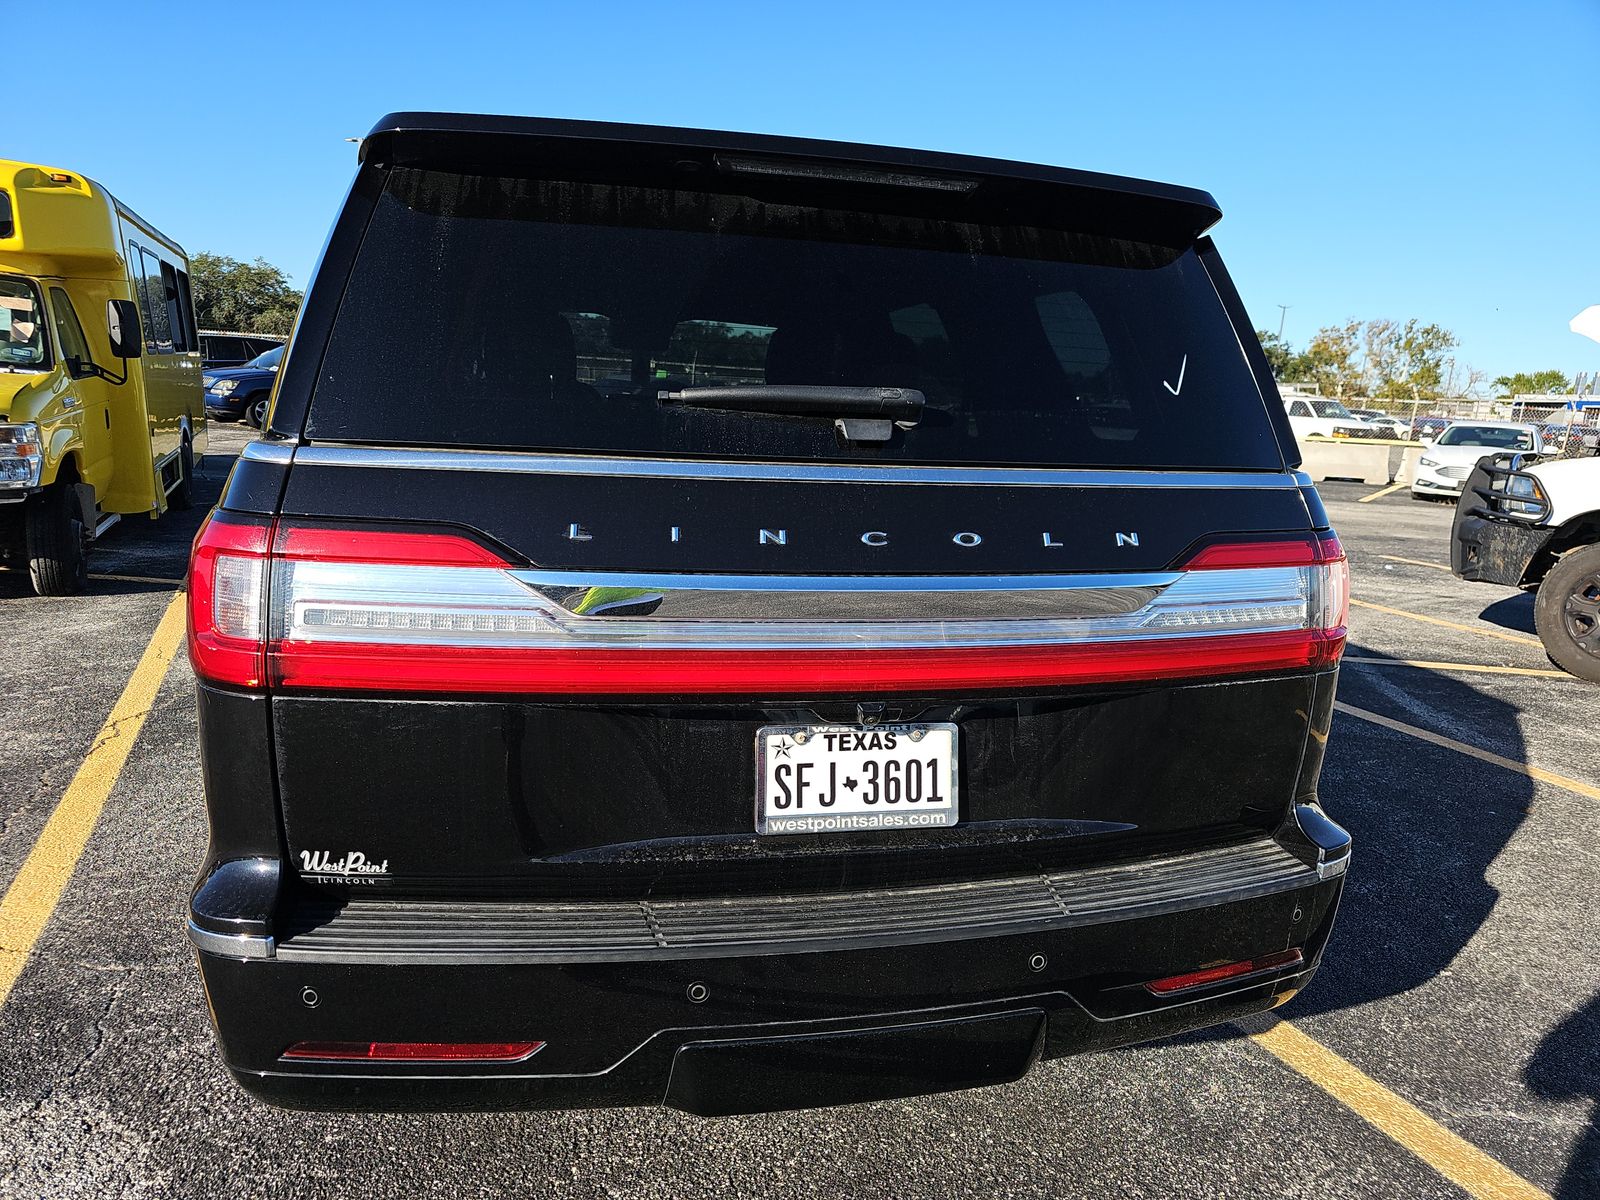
x: 1283, y: 313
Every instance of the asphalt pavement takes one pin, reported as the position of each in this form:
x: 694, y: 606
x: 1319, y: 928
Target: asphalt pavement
x: 1460, y: 996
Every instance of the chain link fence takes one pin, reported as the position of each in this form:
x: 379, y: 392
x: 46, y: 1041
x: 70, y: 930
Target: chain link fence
x: 1568, y: 431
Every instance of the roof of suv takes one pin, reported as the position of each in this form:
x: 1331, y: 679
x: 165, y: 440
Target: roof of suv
x: 472, y: 140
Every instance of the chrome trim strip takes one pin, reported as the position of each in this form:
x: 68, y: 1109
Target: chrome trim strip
x: 271, y: 452
x: 231, y: 945
x: 1010, y: 584
x: 610, y: 596
x: 1332, y: 870
x: 384, y: 604
x: 518, y: 462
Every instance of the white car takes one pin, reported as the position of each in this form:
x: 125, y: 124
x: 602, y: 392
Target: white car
x: 1444, y: 466
x: 1311, y: 417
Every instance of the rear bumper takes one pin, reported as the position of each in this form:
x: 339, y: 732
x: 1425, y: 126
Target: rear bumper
x: 772, y: 1003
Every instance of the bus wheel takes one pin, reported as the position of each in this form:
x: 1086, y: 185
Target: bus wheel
x: 54, y: 534
x: 182, y: 496
x: 1566, y: 613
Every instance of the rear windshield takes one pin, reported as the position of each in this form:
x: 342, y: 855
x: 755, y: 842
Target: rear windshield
x: 537, y: 314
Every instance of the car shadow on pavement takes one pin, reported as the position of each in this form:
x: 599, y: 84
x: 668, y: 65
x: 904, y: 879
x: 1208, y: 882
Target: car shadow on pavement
x: 14, y: 583
x: 1566, y: 1067
x: 1429, y: 825
x: 1514, y: 612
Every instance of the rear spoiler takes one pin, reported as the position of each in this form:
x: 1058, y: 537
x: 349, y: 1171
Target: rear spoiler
x: 952, y: 186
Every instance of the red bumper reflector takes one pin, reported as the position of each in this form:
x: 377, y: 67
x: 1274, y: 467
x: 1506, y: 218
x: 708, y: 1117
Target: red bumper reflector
x: 1173, y: 984
x: 415, y: 1052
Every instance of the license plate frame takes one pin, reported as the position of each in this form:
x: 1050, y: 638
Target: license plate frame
x: 858, y: 814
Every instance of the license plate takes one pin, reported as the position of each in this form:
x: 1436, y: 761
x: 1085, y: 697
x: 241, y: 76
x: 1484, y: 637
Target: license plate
x: 844, y: 778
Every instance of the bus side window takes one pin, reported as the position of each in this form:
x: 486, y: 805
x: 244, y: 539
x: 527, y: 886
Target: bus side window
x: 153, y: 301
x: 173, y: 298
x: 136, y: 271
x: 191, y: 336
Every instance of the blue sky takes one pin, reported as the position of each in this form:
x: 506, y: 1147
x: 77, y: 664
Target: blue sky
x: 1409, y: 158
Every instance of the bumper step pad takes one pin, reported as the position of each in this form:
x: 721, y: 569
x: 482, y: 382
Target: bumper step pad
x: 440, y: 931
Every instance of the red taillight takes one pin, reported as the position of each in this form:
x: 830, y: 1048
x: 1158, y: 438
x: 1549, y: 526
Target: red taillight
x: 227, y: 601
x: 1290, y: 552
x: 1300, y: 550
x: 319, y: 544
x: 621, y: 672
x: 367, y: 608
x: 1174, y: 984
x: 414, y: 1052
x: 1320, y: 553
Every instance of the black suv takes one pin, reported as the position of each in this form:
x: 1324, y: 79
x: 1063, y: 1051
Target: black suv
x: 746, y: 623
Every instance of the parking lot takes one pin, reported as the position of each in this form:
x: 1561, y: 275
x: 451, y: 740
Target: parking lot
x: 1450, y: 1045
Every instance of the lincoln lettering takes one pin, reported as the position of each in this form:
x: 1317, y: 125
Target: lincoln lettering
x: 967, y: 538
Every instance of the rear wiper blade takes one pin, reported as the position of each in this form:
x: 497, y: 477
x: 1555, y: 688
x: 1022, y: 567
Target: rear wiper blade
x: 900, y: 405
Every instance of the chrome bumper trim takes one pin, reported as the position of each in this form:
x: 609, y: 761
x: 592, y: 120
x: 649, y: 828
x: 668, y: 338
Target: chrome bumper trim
x: 230, y: 945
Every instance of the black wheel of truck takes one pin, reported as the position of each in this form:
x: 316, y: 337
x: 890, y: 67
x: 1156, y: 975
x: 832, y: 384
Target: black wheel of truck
x: 1567, y: 613
x: 53, y: 534
x: 182, y: 496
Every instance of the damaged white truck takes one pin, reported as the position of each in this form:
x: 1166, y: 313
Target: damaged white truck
x: 1536, y: 525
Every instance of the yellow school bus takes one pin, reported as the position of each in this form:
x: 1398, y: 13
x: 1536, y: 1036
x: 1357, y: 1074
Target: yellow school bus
x: 102, y: 414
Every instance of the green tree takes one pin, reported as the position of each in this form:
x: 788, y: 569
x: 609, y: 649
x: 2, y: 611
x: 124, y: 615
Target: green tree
x: 1526, y: 383
x: 1281, y: 356
x: 1332, y: 360
x: 250, y: 297
x: 1407, y: 362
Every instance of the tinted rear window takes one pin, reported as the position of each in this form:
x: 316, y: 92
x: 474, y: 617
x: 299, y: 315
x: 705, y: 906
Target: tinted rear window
x: 529, y: 314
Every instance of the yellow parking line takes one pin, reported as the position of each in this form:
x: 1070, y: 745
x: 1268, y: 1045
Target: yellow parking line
x: 1488, y: 756
x: 1493, y: 633
x: 1416, y: 562
x: 1458, y: 1160
x: 33, y: 895
x: 1382, y: 492
x: 1449, y: 666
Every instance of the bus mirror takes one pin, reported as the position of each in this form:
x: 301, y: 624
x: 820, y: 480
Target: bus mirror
x: 122, y: 325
